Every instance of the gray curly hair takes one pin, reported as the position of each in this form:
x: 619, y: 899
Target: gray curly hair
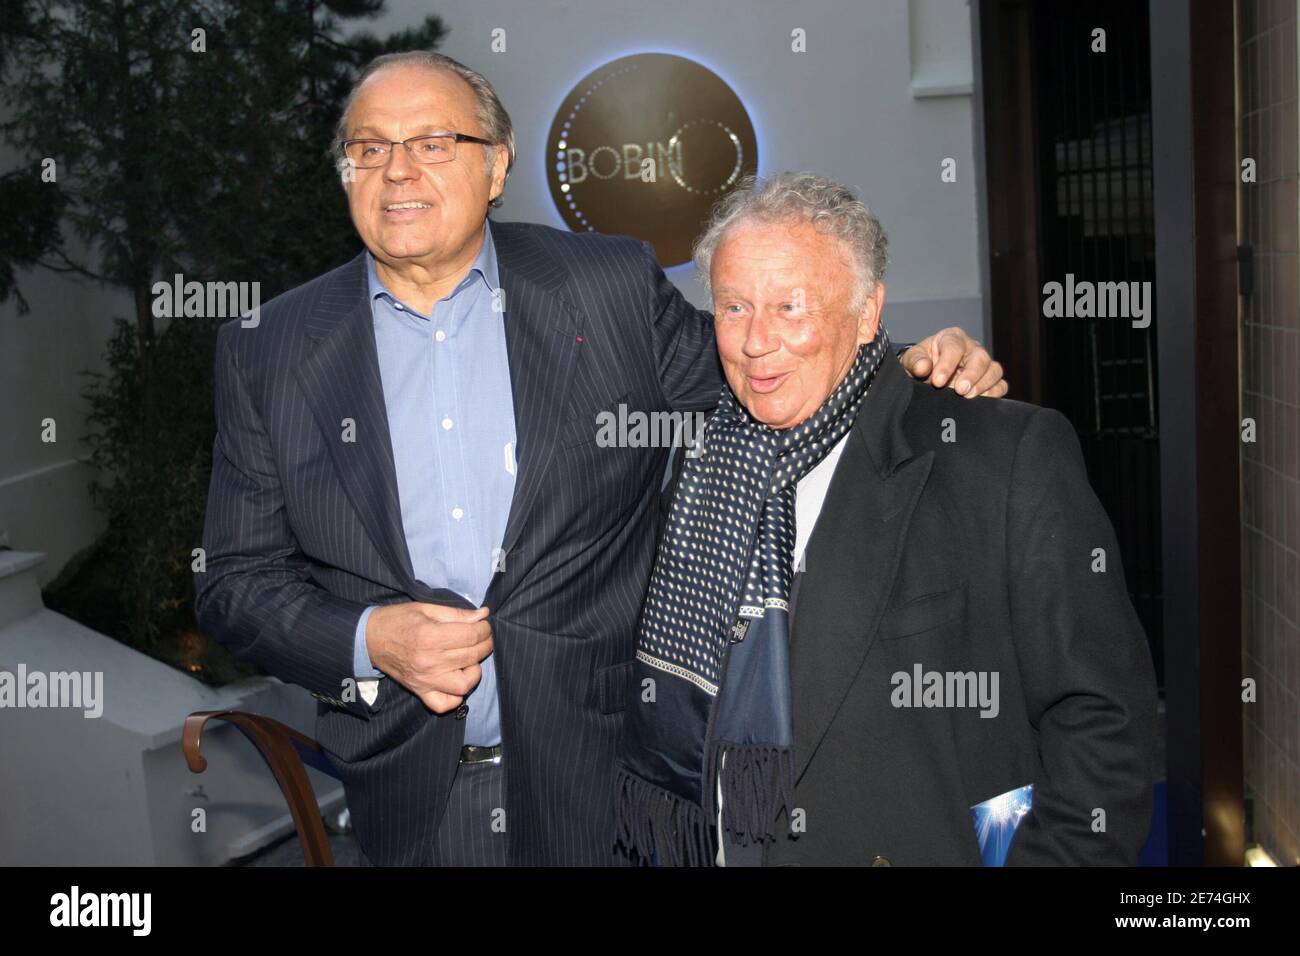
x: 496, y: 121
x: 830, y: 207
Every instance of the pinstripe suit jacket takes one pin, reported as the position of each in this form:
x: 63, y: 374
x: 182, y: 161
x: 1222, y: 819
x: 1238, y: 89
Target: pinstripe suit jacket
x: 303, y: 531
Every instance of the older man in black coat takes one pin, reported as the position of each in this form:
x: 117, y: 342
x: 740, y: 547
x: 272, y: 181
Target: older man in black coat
x: 875, y: 606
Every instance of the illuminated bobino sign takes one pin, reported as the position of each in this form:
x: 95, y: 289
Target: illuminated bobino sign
x: 644, y: 146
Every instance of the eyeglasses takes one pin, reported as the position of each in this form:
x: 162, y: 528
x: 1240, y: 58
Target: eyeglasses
x: 435, y: 148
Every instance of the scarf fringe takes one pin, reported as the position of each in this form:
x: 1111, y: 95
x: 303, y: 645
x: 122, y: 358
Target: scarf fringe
x: 653, y: 820
x: 758, y: 783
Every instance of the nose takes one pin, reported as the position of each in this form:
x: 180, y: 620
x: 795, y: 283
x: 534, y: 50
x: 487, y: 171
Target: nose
x: 758, y: 337
x: 400, y: 167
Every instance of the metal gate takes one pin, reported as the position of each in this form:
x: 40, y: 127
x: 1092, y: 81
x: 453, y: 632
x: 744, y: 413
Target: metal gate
x: 1093, y: 115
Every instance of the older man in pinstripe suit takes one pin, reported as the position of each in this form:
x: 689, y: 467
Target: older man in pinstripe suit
x: 410, y: 515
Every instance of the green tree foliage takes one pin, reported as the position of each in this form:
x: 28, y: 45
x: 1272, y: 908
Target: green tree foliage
x: 173, y: 152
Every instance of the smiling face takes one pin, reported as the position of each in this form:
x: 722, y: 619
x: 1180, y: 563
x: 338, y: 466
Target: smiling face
x: 781, y: 304
x: 442, y: 205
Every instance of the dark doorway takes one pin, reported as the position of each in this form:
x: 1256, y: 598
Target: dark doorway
x: 1098, y: 165
x: 1069, y: 171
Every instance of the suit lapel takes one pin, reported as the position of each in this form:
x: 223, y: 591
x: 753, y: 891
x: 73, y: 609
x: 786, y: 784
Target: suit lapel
x: 852, y: 558
x: 543, y: 339
x: 340, y: 379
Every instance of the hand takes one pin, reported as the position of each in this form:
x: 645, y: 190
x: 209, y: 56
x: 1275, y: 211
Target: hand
x: 433, y: 651
x: 953, y: 358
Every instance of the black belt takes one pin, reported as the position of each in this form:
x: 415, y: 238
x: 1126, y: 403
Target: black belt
x: 471, y: 754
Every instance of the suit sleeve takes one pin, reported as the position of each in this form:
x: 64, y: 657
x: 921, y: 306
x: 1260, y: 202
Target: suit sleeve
x: 685, y: 351
x: 1084, y: 662
x: 256, y: 596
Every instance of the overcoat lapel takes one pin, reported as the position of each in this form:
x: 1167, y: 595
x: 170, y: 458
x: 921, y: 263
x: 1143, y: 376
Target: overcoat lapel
x: 852, y: 558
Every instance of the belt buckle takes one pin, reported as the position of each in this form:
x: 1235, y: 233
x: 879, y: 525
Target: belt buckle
x: 473, y: 754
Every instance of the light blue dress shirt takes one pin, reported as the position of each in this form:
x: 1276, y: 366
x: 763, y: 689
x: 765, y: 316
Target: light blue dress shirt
x: 446, y: 380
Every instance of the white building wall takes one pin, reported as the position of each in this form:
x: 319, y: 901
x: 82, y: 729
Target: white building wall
x: 44, y: 486
x: 879, y: 99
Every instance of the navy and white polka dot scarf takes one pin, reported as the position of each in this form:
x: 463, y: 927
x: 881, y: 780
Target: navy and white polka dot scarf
x: 712, y: 662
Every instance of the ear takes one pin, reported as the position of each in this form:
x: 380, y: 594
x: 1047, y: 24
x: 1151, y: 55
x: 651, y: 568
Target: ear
x: 499, y: 167
x: 869, y: 317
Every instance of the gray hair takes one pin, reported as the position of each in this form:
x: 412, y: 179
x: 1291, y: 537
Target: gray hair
x: 828, y: 206
x: 491, y: 114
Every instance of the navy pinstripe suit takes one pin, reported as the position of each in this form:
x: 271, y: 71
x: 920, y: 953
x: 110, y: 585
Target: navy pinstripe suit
x: 304, y: 531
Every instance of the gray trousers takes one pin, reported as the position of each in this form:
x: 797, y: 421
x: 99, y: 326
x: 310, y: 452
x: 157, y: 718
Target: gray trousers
x: 473, y: 828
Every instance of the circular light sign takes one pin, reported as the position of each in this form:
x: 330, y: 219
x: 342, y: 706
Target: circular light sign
x: 644, y: 146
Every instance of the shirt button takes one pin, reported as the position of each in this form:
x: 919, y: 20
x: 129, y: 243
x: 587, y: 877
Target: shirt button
x: 461, y: 711
x: 457, y: 513
x: 881, y: 861
x: 440, y: 335
x: 446, y: 424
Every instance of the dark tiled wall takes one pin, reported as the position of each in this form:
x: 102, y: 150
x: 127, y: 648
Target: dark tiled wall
x: 1270, y: 222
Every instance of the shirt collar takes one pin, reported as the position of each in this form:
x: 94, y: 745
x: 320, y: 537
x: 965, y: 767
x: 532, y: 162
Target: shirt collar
x: 484, y: 267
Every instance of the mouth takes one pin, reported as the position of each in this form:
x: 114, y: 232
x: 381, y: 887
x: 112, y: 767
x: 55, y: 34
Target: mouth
x: 764, y: 385
x: 408, y: 209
